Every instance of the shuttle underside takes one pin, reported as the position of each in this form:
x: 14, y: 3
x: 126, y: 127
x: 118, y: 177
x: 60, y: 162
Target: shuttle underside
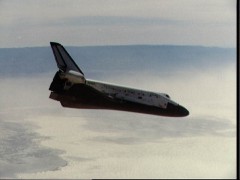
x: 85, y: 97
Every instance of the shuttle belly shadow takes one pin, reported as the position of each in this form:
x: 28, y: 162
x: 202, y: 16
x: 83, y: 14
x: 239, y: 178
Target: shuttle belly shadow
x: 84, y: 97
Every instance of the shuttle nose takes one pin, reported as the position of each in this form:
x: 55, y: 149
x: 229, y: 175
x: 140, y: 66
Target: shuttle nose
x: 182, y: 111
x: 177, y: 110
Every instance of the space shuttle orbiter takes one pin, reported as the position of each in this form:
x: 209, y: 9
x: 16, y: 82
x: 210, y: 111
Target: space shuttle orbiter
x: 73, y: 90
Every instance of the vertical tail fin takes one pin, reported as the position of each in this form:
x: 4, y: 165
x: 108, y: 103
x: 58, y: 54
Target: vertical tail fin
x: 64, y: 61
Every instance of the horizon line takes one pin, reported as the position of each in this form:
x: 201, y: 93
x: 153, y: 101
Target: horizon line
x: 122, y: 45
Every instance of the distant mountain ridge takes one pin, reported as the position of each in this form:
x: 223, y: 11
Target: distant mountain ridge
x: 115, y: 59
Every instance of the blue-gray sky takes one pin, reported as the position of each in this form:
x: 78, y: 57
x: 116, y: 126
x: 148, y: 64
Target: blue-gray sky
x: 108, y: 22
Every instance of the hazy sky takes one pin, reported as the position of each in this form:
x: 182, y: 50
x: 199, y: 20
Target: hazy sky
x: 107, y: 22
